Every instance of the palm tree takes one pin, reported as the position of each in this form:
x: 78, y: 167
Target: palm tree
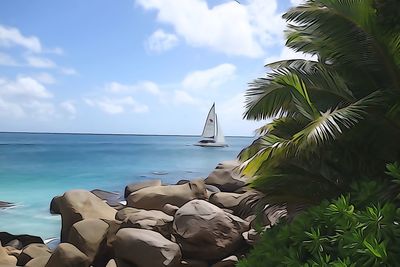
x: 337, y: 119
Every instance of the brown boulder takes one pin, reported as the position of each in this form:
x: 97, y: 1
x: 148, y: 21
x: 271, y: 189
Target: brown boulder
x: 33, y: 251
x: 67, y: 255
x: 145, y: 248
x: 226, y: 177
x: 206, y: 232
x: 154, y: 220
x: 227, y: 262
x: 77, y: 205
x: 124, y: 213
x: 38, y: 262
x: 55, y: 205
x: 5, y: 259
x: 155, y: 197
x: 89, y: 237
x: 137, y: 186
x: 193, y: 263
x: 170, y: 209
x: 24, y: 240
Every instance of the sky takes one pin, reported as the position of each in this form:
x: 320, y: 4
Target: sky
x: 134, y: 66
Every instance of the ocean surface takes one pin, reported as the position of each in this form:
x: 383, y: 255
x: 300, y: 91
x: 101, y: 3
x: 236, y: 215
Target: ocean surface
x: 36, y: 167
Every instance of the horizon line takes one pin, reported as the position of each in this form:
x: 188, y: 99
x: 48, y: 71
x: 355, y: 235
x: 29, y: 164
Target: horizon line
x: 129, y: 134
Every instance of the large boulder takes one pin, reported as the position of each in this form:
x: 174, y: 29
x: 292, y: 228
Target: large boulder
x: 206, y: 232
x: 155, y: 197
x: 226, y: 177
x: 89, y: 237
x: 21, y: 240
x: 5, y: 259
x: 38, y: 262
x: 67, y: 255
x: 145, y: 248
x: 154, y: 220
x: 130, y: 188
x: 113, y: 199
x: 242, y: 205
x: 55, y: 205
x: 77, y: 205
x: 32, y: 251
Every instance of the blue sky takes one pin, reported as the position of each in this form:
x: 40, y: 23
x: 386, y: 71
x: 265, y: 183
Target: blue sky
x: 133, y: 66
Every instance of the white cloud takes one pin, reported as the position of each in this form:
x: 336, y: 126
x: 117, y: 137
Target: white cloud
x: 56, y: 51
x: 7, y: 60
x: 25, y: 97
x: 10, y: 36
x: 296, y: 2
x: 231, y: 113
x: 24, y: 87
x: 183, y: 97
x: 45, y: 78
x: 230, y: 28
x: 40, y: 62
x: 161, y: 41
x: 144, y: 86
x: 210, y: 78
x: 68, y: 71
x: 117, y: 105
x: 287, y: 53
x: 69, y: 108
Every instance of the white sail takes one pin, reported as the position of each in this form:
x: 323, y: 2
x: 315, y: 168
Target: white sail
x: 219, y: 138
x: 209, y: 126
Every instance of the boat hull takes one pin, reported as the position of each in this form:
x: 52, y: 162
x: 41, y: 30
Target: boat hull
x: 210, y: 145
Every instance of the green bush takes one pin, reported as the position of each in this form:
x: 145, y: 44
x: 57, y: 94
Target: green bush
x: 336, y: 233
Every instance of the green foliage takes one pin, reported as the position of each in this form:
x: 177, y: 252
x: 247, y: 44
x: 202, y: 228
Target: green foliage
x: 332, y: 234
x: 336, y: 120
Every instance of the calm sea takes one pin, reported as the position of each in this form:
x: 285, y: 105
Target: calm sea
x: 36, y: 167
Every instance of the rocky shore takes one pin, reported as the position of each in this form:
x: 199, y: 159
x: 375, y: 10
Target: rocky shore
x: 208, y: 222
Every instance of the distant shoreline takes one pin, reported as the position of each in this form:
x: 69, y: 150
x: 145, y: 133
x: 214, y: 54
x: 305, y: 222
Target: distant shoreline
x: 120, y: 134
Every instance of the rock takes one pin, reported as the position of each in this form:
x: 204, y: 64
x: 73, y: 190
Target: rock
x: 124, y: 213
x: 227, y: 262
x: 15, y: 243
x: 184, y: 181
x: 212, y: 189
x: 4, y: 204
x: 55, y: 205
x: 12, y: 251
x: 252, y: 236
x: 226, y: 200
x: 144, y: 248
x: 33, y: 251
x: 24, y: 239
x: 226, y: 177
x: 111, y: 198
x: 77, y: 205
x: 170, y: 209
x: 206, y: 232
x: 67, y: 255
x: 154, y: 220
x: 89, y: 237
x: 38, y: 262
x: 5, y: 259
x: 111, y: 263
x: 137, y: 186
x: 193, y: 263
x: 154, y: 198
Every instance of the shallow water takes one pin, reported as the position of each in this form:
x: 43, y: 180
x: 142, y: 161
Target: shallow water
x: 36, y: 167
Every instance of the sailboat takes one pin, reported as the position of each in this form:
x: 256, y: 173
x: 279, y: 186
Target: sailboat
x: 212, y: 135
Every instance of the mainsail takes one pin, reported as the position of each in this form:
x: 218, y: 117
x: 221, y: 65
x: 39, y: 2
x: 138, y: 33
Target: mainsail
x: 209, y: 126
x: 212, y: 135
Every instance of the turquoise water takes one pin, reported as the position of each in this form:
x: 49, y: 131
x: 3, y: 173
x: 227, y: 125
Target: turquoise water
x: 36, y: 167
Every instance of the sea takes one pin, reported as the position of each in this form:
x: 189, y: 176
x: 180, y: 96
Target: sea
x: 35, y: 167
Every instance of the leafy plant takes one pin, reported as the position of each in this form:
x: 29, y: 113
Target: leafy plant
x: 336, y: 119
x: 332, y: 234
